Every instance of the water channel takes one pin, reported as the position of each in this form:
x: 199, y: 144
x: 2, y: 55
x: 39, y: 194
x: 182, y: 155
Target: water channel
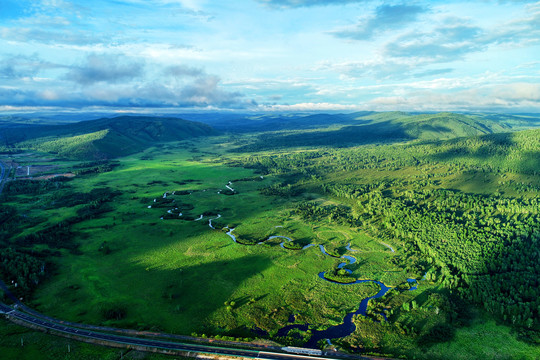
x: 347, y: 327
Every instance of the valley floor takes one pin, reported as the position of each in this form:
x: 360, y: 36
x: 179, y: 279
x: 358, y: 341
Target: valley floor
x: 152, y: 248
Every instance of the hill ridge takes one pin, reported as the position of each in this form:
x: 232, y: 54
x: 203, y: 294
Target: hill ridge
x: 103, y: 138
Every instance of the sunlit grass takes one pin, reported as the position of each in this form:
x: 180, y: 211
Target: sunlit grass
x: 154, y: 262
x: 176, y: 275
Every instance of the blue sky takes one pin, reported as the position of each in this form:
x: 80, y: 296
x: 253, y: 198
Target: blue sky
x: 269, y: 55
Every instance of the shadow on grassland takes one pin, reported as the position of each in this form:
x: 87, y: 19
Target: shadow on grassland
x: 194, y: 293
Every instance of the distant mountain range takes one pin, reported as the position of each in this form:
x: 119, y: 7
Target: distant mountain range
x: 388, y: 127
x: 119, y: 136
x: 294, y: 121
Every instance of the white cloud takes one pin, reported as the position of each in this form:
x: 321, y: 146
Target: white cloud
x: 515, y: 97
x: 386, y: 17
x: 311, y: 107
x: 518, y: 92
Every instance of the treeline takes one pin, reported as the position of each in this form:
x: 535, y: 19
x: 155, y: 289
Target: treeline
x: 94, y: 198
x: 506, y: 152
x: 282, y: 163
x: 311, y: 211
x: 33, y: 187
x: 280, y: 190
x: 58, y: 236
x: 17, y: 263
x: 95, y: 167
x: 8, y: 222
x: 23, y: 270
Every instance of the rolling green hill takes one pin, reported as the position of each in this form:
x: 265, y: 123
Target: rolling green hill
x: 102, y: 138
x: 101, y: 144
x: 389, y: 127
x: 443, y: 123
x: 443, y: 126
x: 517, y: 151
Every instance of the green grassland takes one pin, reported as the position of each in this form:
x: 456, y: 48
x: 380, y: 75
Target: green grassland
x: 164, y: 262
x: 179, y: 275
x: 19, y: 343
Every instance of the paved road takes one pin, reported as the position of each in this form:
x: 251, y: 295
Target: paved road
x: 42, y: 321
x: 133, y: 341
x: 121, y: 339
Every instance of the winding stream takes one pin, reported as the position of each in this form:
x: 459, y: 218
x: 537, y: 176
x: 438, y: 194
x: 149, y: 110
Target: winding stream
x: 348, y: 247
x: 388, y: 246
x: 210, y: 223
x: 231, y: 234
x: 347, y: 327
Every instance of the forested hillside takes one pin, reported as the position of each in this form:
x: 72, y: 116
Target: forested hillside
x: 103, y: 138
x: 466, y: 210
x: 376, y: 128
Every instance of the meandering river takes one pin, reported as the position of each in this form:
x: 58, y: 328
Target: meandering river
x: 347, y: 327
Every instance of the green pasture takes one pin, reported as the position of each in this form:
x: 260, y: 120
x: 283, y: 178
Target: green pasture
x: 20, y: 343
x: 179, y: 275
x: 176, y: 275
x: 484, y: 339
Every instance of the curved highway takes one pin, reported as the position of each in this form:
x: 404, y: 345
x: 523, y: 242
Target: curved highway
x: 50, y: 324
x: 33, y: 319
x: 126, y: 340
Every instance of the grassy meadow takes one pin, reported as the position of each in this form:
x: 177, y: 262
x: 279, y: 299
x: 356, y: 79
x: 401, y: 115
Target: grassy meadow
x: 177, y: 274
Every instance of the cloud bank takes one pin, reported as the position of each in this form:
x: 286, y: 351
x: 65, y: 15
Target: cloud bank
x: 270, y: 54
x: 386, y: 17
x: 285, y: 4
x: 105, y: 68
